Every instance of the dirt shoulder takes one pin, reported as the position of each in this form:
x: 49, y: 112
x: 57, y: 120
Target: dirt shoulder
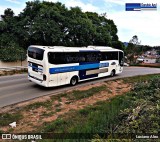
x: 31, y: 115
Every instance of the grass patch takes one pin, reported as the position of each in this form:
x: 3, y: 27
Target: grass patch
x: 52, y: 126
x: 58, y: 109
x: 134, y: 112
x: 7, y: 118
x: 68, y: 102
x: 84, y: 112
x: 91, y: 119
x: 140, y: 78
x: 108, y: 90
x: 77, y: 95
x: 58, y: 97
x: 58, y: 105
x: 46, y: 104
x: 47, y: 114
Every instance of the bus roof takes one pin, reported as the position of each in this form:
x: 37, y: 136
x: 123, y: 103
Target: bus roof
x: 75, y: 49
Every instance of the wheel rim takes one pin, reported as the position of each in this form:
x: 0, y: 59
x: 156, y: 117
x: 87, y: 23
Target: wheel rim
x: 73, y: 81
x: 112, y: 73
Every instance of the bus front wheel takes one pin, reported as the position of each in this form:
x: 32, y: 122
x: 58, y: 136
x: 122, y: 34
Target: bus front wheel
x: 73, y: 81
x: 112, y: 73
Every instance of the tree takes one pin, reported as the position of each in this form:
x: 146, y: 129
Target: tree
x: 133, y: 49
x: 8, y: 13
x: 12, y: 52
x: 135, y: 40
x: 48, y: 23
x: 105, y: 29
x: 9, y: 43
x: 118, y: 45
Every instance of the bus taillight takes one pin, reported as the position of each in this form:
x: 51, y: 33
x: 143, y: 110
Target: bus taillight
x: 44, y: 77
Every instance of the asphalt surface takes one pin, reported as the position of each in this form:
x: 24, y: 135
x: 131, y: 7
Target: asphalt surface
x: 17, y: 88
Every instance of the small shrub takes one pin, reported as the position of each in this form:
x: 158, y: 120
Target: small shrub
x: 7, y: 118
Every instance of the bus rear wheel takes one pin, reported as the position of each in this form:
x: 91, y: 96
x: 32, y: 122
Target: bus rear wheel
x: 74, y: 81
x: 112, y: 73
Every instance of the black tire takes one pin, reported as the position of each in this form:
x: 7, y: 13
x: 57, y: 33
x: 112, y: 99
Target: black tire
x: 112, y: 73
x: 74, y: 81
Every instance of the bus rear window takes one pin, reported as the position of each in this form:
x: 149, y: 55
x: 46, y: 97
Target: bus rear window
x: 35, y: 53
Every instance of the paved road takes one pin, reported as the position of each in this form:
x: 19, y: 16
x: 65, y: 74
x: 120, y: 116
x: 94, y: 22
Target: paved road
x: 17, y: 88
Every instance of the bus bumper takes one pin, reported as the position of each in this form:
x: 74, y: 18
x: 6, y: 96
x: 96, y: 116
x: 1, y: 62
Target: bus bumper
x: 41, y: 83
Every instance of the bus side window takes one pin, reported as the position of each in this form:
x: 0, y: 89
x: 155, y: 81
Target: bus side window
x: 51, y: 57
x: 105, y: 57
x: 81, y: 57
x: 67, y: 57
x: 99, y: 56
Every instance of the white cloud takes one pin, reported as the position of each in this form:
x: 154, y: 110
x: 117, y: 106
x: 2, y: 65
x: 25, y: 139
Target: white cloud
x: 16, y: 10
x: 79, y: 3
x: 14, y: 1
x: 122, y: 2
x: 83, y: 6
x: 143, y: 24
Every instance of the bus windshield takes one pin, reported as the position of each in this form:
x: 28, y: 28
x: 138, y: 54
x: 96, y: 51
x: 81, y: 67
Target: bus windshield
x: 35, y: 53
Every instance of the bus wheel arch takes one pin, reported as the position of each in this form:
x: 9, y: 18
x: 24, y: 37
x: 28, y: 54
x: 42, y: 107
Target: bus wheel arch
x: 113, y: 72
x: 74, y: 80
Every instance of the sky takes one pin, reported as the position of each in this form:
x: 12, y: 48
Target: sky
x: 144, y: 24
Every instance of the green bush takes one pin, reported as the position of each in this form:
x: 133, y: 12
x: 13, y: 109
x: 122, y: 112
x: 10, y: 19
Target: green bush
x: 12, y: 52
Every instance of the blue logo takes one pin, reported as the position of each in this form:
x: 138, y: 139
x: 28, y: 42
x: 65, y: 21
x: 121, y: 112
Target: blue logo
x: 141, y: 6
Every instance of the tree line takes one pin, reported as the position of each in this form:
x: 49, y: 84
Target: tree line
x: 135, y: 49
x: 53, y: 24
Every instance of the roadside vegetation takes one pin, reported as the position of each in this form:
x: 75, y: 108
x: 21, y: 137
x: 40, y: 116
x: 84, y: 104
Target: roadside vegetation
x: 12, y: 72
x: 7, y: 118
x: 135, y: 110
x: 77, y: 95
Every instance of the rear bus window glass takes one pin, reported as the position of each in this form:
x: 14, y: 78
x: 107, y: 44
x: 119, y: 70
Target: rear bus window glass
x: 35, y: 53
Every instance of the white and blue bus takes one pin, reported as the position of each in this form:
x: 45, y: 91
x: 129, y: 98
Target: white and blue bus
x: 58, y: 65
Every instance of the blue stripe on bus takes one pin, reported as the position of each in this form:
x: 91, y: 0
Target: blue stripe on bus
x: 77, y: 68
